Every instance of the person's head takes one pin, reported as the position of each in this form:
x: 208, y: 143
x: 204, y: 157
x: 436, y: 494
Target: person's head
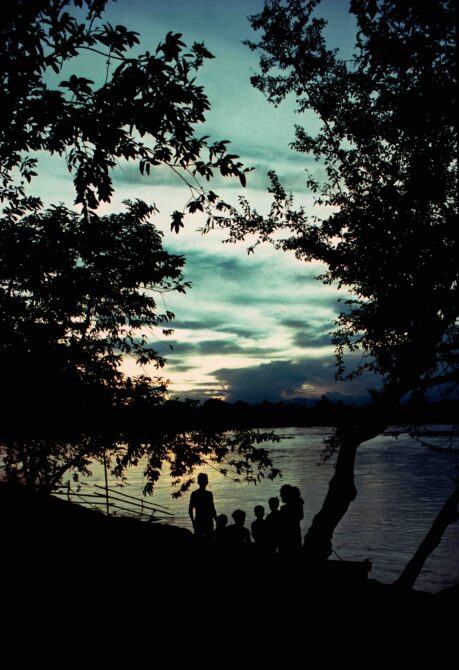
x: 285, y: 493
x: 203, y: 480
x: 222, y: 520
x: 259, y: 511
x: 238, y: 517
x: 295, y: 493
x: 273, y: 504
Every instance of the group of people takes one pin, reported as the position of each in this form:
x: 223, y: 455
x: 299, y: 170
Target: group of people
x: 279, y: 532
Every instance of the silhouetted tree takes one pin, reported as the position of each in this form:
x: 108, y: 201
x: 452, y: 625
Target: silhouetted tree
x: 78, y: 291
x: 145, y: 109
x: 447, y: 515
x: 386, y: 147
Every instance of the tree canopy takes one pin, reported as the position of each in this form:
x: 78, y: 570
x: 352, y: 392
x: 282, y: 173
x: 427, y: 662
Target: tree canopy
x: 80, y: 295
x: 146, y: 108
x: 386, y: 175
x: 386, y: 153
x: 79, y: 291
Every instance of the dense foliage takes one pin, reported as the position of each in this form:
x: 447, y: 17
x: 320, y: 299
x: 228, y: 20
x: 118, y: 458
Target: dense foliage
x: 81, y: 294
x: 386, y: 178
x: 386, y: 151
x: 145, y: 108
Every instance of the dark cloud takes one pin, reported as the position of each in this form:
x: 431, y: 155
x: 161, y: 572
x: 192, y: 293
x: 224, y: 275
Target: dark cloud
x: 211, y: 347
x: 257, y: 180
x: 232, y: 265
x: 292, y: 169
x: 303, y: 278
x: 269, y: 381
x: 216, y: 347
x: 160, y: 175
x: 301, y: 301
x: 179, y: 348
x: 207, y: 324
x: 256, y: 280
x: 304, y: 340
x: 307, y: 335
x: 295, y: 323
x: 241, y: 331
x: 280, y: 380
x: 182, y: 367
x: 209, y: 265
x: 218, y: 325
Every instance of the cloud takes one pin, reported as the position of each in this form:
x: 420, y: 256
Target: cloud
x: 176, y: 347
x: 212, y: 347
x: 299, y: 324
x: 218, y: 325
x: 182, y: 367
x: 268, y: 381
x: 250, y: 297
x: 129, y: 173
x: 227, y: 264
x: 263, y: 280
x: 209, y: 323
x: 240, y: 331
x: 306, y: 340
x: 290, y: 169
x: 217, y: 347
x: 307, y: 334
x: 283, y: 380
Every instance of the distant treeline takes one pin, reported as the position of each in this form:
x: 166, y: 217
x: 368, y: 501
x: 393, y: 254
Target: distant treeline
x: 173, y: 416
x: 324, y: 412
x: 220, y: 415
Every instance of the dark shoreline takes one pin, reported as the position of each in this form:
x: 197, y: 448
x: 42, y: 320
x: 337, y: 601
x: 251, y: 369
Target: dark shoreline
x: 50, y: 541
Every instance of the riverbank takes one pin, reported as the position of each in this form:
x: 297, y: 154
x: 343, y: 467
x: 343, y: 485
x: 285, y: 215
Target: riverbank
x: 401, y: 488
x: 48, y: 542
x: 147, y: 591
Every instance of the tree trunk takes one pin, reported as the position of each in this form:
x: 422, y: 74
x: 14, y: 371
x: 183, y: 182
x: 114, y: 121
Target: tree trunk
x: 317, y: 544
x: 447, y: 515
x: 408, y: 375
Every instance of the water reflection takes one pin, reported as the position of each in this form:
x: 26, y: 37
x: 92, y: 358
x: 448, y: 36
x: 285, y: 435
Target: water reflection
x: 401, y: 487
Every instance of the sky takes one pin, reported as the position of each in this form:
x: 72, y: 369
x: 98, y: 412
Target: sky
x: 252, y: 327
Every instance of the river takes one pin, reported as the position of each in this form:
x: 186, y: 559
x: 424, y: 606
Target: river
x: 401, y: 487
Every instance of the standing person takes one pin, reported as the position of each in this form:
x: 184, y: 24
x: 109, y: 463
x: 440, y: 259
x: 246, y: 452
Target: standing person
x: 297, y: 504
x: 291, y: 514
x: 220, y: 529
x: 202, y: 509
x: 273, y: 522
x: 259, y: 529
x: 237, y: 535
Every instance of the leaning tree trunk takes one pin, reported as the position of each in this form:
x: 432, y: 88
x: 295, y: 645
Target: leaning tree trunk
x: 447, y: 515
x: 341, y: 492
x: 317, y: 544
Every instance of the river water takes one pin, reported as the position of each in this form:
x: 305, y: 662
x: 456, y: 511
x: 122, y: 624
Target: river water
x: 401, y: 487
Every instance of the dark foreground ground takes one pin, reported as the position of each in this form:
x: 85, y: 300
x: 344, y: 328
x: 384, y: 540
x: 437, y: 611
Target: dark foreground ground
x: 64, y: 563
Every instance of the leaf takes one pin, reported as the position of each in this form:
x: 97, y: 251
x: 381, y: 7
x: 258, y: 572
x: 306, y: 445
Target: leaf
x: 200, y: 50
x: 194, y: 206
x: 177, y: 221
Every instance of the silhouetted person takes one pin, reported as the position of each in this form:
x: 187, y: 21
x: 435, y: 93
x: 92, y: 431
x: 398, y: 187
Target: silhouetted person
x: 273, y: 522
x: 258, y: 528
x: 297, y: 504
x: 221, y: 528
x: 291, y: 514
x: 202, y: 509
x: 236, y: 535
